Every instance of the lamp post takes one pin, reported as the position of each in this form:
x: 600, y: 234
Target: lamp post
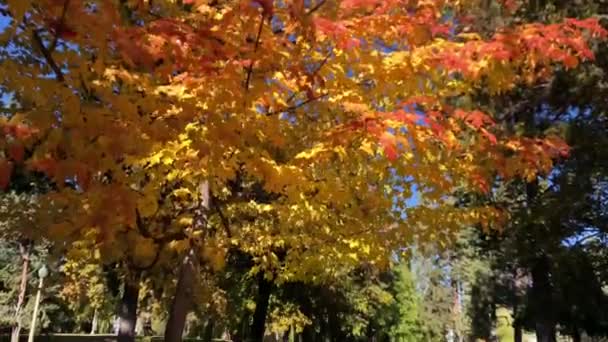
x: 42, y: 273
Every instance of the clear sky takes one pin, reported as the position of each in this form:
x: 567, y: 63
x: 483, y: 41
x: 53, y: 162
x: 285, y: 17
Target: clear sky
x: 4, y: 21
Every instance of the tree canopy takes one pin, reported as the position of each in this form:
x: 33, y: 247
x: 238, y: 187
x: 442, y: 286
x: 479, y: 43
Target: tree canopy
x: 313, y: 137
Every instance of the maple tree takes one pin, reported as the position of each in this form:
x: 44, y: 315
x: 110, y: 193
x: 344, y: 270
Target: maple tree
x: 307, y: 125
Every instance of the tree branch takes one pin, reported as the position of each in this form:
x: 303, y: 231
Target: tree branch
x: 223, y: 219
x: 47, y: 56
x: 255, y: 49
x: 294, y: 107
x: 316, y: 7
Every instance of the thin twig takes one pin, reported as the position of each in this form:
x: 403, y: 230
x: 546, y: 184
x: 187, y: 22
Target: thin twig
x: 316, y: 7
x: 294, y: 107
x: 323, y: 62
x: 314, y: 73
x: 255, y: 49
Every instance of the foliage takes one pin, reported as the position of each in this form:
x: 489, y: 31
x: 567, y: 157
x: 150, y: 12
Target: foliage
x: 313, y: 123
x: 53, y: 312
x: 409, y: 326
x: 130, y: 98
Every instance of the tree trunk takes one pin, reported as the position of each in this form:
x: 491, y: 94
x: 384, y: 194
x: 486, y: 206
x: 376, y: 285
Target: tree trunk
x: 292, y: 334
x: 518, y: 336
x: 543, y: 306
x: 127, y: 312
x: 334, y: 326
x: 182, y: 301
x: 94, y: 323
x: 261, y: 309
x: 241, y: 332
x: 208, y: 333
x: 308, y: 332
x: 24, y: 249
x: 576, y: 335
x: 323, y: 331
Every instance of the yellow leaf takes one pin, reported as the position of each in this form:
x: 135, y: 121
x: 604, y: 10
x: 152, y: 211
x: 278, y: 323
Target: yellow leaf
x: 144, y: 250
x: 312, y: 153
x: 181, y: 193
x: 367, y: 147
x: 185, y: 221
x: 179, y: 246
x: 147, y: 205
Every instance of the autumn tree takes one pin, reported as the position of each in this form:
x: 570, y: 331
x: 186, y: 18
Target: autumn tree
x: 325, y: 114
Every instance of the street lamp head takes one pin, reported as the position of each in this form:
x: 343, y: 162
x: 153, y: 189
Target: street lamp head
x: 43, y: 272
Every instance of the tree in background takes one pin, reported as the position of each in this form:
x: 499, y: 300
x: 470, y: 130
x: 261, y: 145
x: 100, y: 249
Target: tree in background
x: 409, y: 325
x: 552, y: 243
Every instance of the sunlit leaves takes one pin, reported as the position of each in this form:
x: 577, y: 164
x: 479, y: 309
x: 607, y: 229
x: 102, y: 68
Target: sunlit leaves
x: 312, y: 121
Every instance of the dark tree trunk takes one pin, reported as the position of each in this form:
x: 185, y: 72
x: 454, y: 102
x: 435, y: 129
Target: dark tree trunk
x: 24, y: 249
x: 258, y: 327
x: 181, y: 301
x: 543, y: 306
x: 127, y: 311
x: 323, y: 331
x: 518, y: 330
x: 334, y: 326
x: 308, y: 333
x: 242, y: 332
x: 208, y: 334
x: 576, y: 335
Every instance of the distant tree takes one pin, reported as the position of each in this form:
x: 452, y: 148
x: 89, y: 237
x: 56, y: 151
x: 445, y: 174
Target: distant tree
x: 408, y: 325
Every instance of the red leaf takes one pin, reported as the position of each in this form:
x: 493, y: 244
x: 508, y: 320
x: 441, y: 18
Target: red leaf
x: 570, y: 61
x: 61, y: 30
x: 404, y: 116
x: 489, y: 135
x: 481, y: 183
x: 16, y: 152
x: 83, y: 176
x: 6, y: 170
x: 590, y: 24
x: 47, y: 166
x: 354, y: 4
x: 23, y: 131
x: 476, y: 118
x: 389, y: 143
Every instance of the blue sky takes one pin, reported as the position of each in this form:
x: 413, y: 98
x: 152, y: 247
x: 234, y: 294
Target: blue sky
x: 4, y: 21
